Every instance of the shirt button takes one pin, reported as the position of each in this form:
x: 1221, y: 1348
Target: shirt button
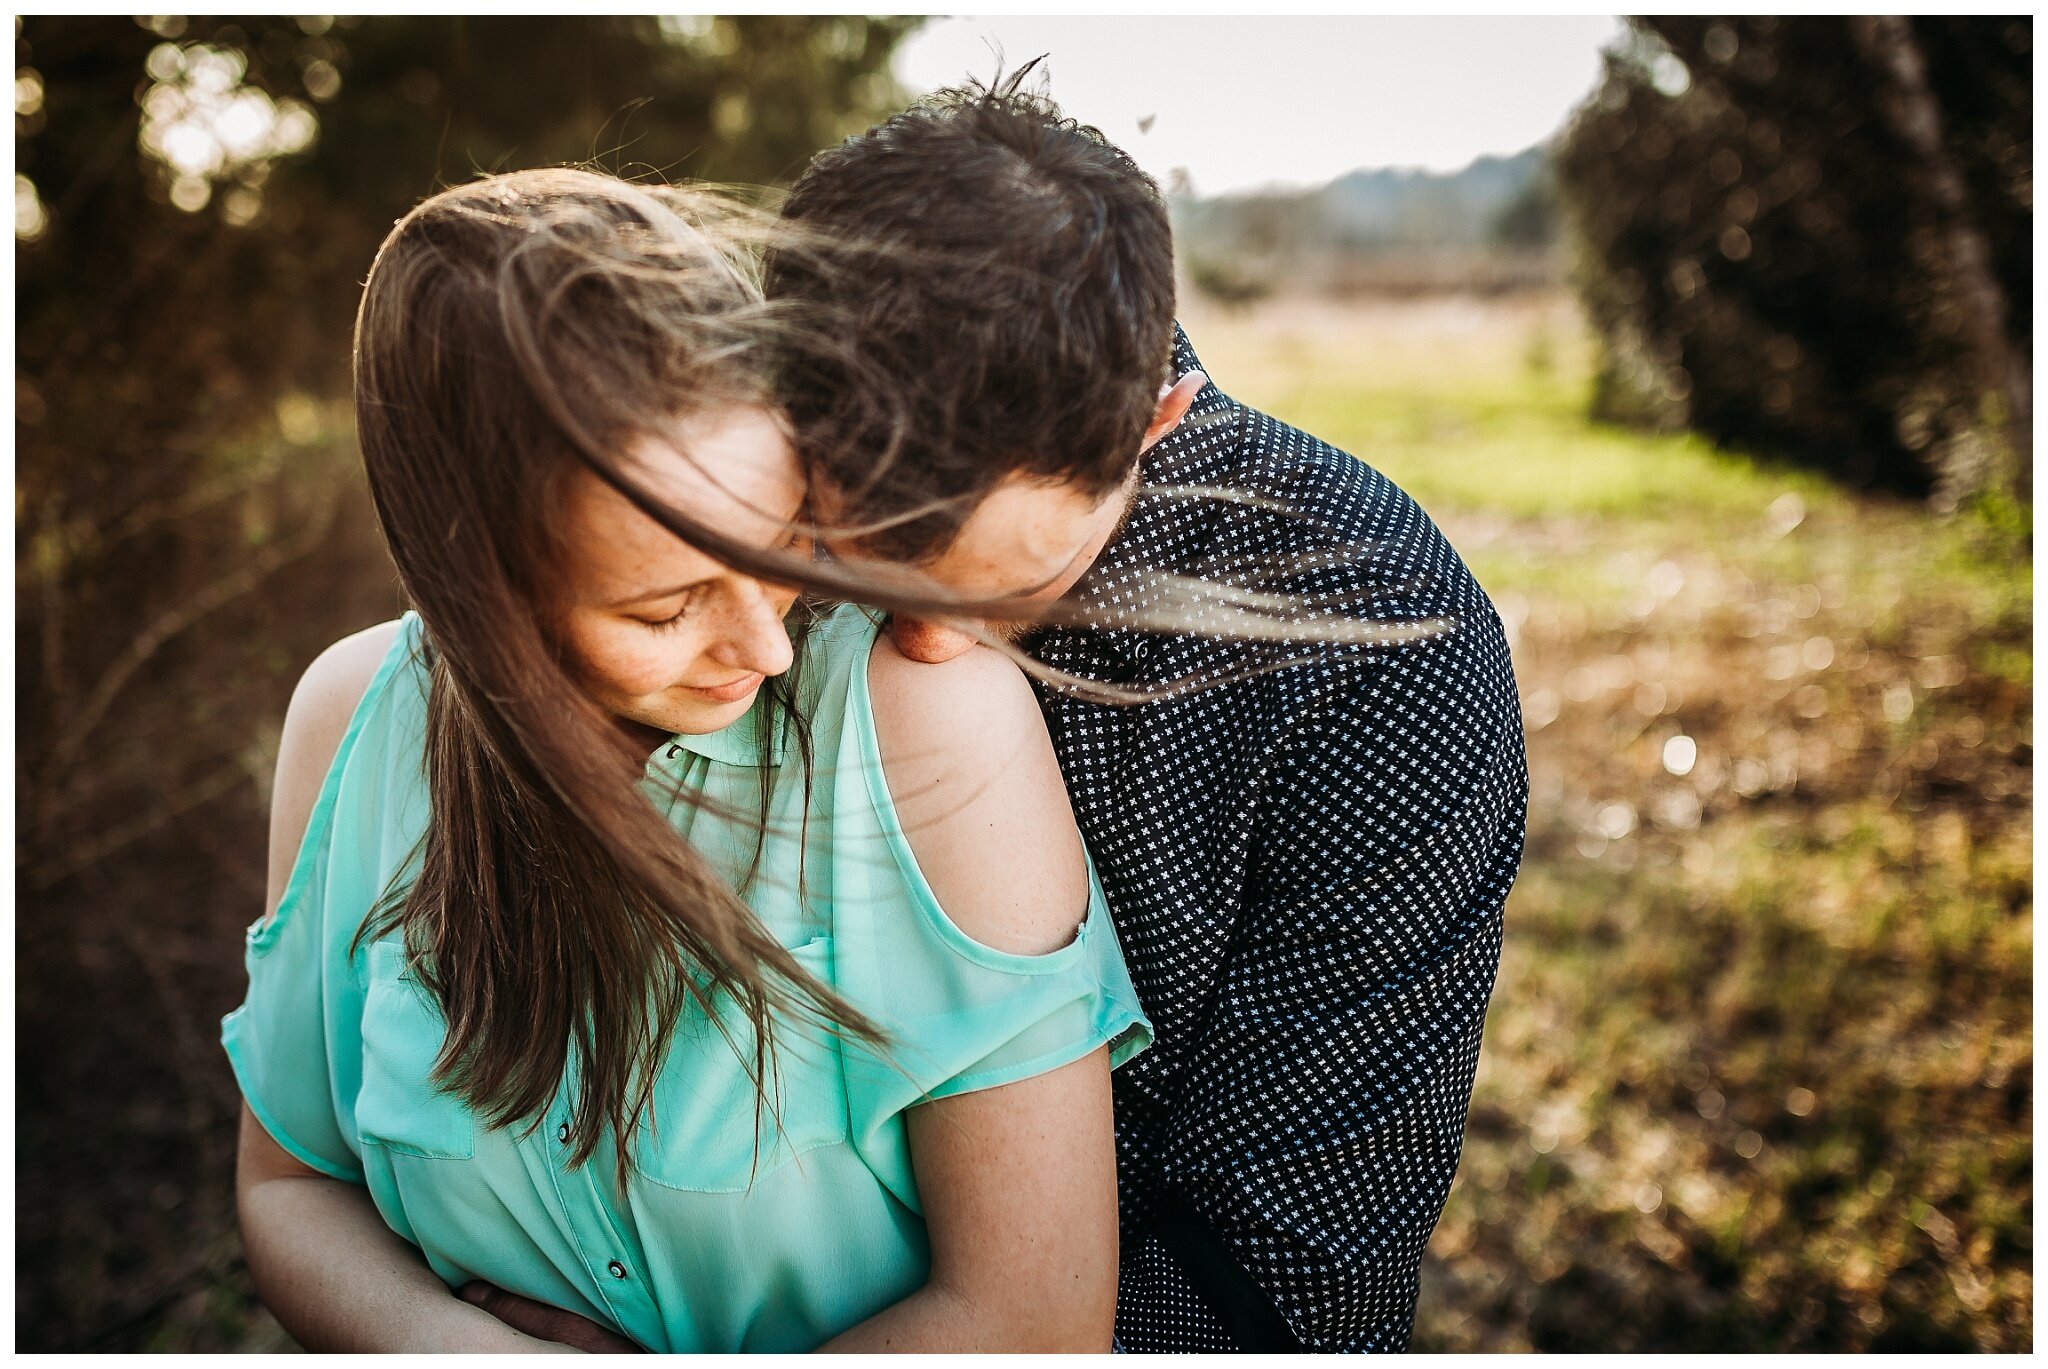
x: 562, y: 1133
x: 618, y: 1270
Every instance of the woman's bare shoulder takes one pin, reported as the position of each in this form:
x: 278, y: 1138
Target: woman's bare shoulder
x: 979, y: 795
x: 337, y: 679
x: 314, y: 724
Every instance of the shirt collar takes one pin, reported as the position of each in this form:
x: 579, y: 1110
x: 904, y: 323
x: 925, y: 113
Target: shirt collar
x: 737, y: 743
x: 1191, y: 453
x: 1170, y: 525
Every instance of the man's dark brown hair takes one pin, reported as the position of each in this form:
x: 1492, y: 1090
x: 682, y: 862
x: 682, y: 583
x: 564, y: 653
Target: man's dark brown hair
x: 1005, y: 275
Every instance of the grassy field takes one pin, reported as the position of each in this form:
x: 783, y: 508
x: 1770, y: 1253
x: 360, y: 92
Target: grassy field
x: 1758, y: 1070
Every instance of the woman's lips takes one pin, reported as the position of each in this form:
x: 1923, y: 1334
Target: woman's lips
x: 729, y: 693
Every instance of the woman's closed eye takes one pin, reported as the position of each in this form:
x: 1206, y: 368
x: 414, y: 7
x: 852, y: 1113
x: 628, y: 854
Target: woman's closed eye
x: 676, y: 619
x: 693, y: 595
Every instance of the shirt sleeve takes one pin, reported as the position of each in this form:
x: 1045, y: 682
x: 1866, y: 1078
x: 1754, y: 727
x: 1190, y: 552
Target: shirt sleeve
x: 279, y: 1039
x: 962, y: 1015
x: 277, y: 1043
x: 967, y: 1016
x: 296, y: 1041
x: 1386, y: 842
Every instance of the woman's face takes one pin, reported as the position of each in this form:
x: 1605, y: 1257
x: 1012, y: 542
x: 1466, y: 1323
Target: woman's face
x: 662, y: 634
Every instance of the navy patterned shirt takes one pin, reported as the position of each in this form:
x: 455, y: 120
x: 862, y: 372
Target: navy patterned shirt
x: 1307, y: 869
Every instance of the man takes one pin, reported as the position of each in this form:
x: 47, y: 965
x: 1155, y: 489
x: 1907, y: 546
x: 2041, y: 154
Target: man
x: 1307, y: 865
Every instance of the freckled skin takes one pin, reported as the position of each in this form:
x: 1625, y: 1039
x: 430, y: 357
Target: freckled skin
x: 623, y: 575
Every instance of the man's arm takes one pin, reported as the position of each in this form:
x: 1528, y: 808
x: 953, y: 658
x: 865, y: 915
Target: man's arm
x: 1326, y: 1105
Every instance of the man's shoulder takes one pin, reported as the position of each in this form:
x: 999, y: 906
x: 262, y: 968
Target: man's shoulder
x: 1312, y: 474
x: 1270, y: 506
x: 1320, y: 492
x: 1448, y: 693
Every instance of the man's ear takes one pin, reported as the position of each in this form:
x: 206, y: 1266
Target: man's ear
x: 1174, y: 400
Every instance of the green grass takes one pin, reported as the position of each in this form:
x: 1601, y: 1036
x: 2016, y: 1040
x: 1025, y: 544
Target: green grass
x: 1757, y: 1073
x: 1525, y: 449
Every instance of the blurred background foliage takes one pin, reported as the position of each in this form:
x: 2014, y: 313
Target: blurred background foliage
x: 196, y: 203
x: 1813, y: 238
x: 1715, y: 392
x: 1384, y: 232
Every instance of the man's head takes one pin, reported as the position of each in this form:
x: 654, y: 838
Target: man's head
x: 1005, y: 276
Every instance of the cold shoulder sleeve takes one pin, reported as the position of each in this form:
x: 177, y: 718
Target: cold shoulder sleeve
x: 295, y: 1043
x: 962, y: 1015
x: 967, y: 1016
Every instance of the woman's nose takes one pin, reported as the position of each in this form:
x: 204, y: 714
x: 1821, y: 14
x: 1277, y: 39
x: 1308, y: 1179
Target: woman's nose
x: 754, y: 637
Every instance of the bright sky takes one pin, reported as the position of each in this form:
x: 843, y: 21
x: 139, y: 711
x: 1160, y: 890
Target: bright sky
x: 1242, y: 103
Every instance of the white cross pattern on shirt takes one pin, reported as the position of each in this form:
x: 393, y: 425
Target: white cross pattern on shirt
x: 1307, y: 870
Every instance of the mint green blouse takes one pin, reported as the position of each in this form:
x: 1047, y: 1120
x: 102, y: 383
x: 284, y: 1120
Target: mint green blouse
x: 709, y: 1247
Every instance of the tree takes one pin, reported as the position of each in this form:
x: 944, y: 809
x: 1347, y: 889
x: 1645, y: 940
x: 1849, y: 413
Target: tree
x: 1811, y: 238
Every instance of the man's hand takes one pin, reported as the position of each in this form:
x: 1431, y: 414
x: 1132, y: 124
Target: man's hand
x: 539, y: 1320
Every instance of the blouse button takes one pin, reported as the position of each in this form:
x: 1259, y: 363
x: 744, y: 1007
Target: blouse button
x: 562, y: 1133
x: 618, y: 1270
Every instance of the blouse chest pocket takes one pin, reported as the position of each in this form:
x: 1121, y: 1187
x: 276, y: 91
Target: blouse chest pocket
x: 400, y: 1108
x: 703, y: 1138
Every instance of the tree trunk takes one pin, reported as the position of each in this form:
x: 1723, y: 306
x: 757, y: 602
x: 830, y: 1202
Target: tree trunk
x: 1887, y: 42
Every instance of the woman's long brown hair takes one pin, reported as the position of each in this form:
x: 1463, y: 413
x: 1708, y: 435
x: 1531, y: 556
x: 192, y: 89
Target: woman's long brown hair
x: 510, y: 329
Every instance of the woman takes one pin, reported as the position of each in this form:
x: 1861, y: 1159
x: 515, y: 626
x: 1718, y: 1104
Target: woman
x: 509, y: 1016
